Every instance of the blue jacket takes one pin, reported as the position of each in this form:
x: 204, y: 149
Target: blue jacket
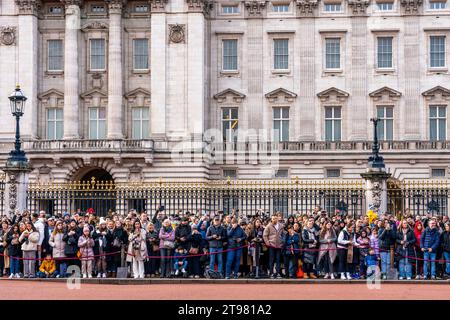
x: 370, y: 260
x: 179, y: 257
x: 233, y: 235
x: 292, y: 244
x: 430, y: 239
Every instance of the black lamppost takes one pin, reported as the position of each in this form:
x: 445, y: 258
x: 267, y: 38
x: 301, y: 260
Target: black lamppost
x: 375, y: 160
x: 17, y: 156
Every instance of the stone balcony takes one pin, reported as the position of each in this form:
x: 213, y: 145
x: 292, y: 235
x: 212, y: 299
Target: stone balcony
x: 333, y: 146
x: 88, y: 146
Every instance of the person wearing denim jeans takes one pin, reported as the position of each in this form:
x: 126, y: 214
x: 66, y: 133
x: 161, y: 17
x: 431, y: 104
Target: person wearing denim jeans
x: 386, y: 238
x: 429, y: 242
x: 14, y: 251
x: 216, y: 235
x: 445, y: 240
x: 273, y: 236
x: 406, y: 252
x: 236, y: 237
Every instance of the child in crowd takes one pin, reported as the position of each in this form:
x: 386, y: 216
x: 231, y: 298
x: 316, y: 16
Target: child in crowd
x: 47, y: 268
x: 180, y: 261
x: 371, y: 262
x: 86, y: 245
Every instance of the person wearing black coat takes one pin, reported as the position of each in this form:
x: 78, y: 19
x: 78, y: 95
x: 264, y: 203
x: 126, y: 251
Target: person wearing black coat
x: 405, y: 251
x: 182, y: 232
x: 216, y: 236
x: 14, y: 251
x: 71, y: 248
x: 445, y: 242
x: 385, y: 238
x: 116, y: 240
x: 195, y: 241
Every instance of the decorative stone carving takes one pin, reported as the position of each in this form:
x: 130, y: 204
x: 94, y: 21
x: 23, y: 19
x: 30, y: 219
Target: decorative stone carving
x: 95, y: 98
x: 29, y: 6
x: 44, y: 169
x: 8, y: 35
x: 138, y: 97
x: 333, y: 94
x: 306, y: 7
x: 229, y: 95
x: 437, y: 93
x: 95, y: 25
x: 158, y: 5
x: 255, y: 7
x: 116, y: 6
x: 204, y: 6
x: 376, y: 195
x: 12, y: 193
x: 52, y: 99
x: 358, y: 6
x: 385, y: 93
x: 411, y: 6
x: 176, y: 33
x: 97, y: 81
x: 280, y: 93
x: 72, y: 2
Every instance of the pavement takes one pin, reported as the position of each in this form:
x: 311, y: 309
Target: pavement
x: 206, y: 289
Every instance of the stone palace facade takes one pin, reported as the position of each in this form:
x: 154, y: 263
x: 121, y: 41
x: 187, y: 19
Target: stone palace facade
x: 141, y: 90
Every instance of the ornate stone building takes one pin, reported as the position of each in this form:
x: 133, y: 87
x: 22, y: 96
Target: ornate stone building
x: 125, y: 90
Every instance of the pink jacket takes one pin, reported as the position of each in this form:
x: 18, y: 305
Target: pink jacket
x: 86, y: 246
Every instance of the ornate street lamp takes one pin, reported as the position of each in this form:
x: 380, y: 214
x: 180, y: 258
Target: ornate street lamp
x: 375, y: 160
x: 17, y: 156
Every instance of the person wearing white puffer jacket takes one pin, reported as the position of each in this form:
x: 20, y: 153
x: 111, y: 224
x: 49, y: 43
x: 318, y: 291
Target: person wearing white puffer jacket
x: 29, y: 239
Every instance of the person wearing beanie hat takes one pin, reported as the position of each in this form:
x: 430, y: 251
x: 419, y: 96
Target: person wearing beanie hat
x: 86, y: 245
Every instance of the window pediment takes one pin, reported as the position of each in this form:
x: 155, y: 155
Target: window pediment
x: 229, y: 95
x: 281, y: 93
x: 138, y: 97
x: 95, y: 98
x: 333, y: 94
x: 385, y: 93
x: 437, y: 93
x: 52, y: 98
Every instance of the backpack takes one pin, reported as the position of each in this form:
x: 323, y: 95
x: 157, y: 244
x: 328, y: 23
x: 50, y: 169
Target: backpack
x: 211, y: 274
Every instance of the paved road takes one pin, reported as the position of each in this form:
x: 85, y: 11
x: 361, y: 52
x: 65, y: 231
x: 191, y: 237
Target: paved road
x: 10, y: 289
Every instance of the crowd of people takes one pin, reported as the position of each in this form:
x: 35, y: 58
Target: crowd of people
x: 312, y: 245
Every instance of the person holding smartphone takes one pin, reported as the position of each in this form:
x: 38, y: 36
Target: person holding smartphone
x: 216, y: 235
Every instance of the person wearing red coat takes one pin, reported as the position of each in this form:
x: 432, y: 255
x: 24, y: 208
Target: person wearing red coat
x: 418, y: 229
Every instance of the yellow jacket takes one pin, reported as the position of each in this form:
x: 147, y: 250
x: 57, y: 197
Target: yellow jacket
x: 48, y: 265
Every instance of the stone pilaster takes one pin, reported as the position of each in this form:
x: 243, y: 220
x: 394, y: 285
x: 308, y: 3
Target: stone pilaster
x: 158, y: 62
x: 16, y: 189
x: 306, y: 111
x: 376, y: 190
x: 71, y: 78
x: 28, y: 42
x: 358, y: 105
x: 255, y: 8
x: 204, y: 6
x: 115, y: 73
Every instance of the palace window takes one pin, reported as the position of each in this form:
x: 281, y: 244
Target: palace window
x: 333, y: 173
x: 230, y: 124
x: 438, y: 122
x: 230, y: 9
x: 97, y: 123
x: 333, y: 123
x: 437, y: 51
x: 281, y: 54
x: 140, y: 123
x: 98, y: 54
x: 332, y: 7
x: 385, y: 6
x: 140, y: 54
x: 438, y: 173
x: 54, y: 123
x: 141, y: 8
x: 332, y: 53
x: 384, y: 54
x: 229, y: 173
x: 230, y: 58
x: 98, y: 8
x: 438, y: 5
x: 386, y: 125
x: 55, y: 55
x: 280, y: 7
x: 281, y: 124
x: 55, y: 10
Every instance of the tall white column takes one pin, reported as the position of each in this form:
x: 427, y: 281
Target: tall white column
x: 71, y: 79
x: 158, y: 67
x: 115, y: 74
x: 27, y: 63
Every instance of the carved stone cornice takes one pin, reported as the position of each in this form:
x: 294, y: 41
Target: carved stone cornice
x: 29, y: 6
x: 255, y: 7
x: 158, y: 5
x: 72, y: 2
x: 306, y: 7
x: 358, y: 6
x: 411, y: 6
x: 116, y: 6
x: 204, y: 6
